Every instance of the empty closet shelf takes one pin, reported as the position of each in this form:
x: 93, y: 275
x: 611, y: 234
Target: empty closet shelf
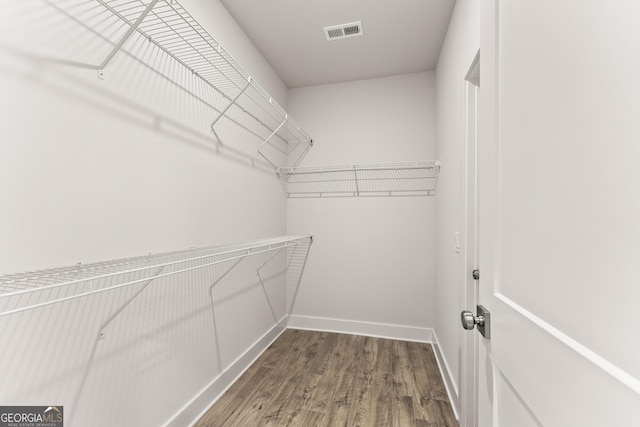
x: 235, y: 96
x: 39, y: 289
x: 382, y: 179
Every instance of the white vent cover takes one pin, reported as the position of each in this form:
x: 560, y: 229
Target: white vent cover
x: 343, y: 31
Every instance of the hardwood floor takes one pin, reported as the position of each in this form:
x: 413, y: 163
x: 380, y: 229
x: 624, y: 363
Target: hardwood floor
x: 308, y: 379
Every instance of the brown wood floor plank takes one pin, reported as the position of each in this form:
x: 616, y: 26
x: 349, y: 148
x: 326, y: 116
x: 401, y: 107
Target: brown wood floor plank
x: 383, y: 385
x: 439, y: 413
x: 327, y: 343
x: 233, y: 402
x: 289, y: 345
x: 288, y: 385
x: 304, y: 405
x: 312, y: 419
x: 360, y: 409
x: 403, y: 384
x: 344, y: 387
x: 322, y: 397
x: 428, y: 358
x: 382, y: 401
x: 401, y: 369
x: 422, y: 386
x: 446, y: 412
x: 251, y: 394
x: 321, y: 379
x: 293, y: 412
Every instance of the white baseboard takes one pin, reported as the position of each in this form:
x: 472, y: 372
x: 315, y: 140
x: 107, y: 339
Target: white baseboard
x: 378, y: 330
x: 190, y: 413
x: 445, y: 372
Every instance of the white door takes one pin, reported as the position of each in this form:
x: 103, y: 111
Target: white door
x: 559, y: 213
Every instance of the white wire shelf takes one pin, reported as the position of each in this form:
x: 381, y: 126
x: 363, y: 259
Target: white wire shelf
x: 382, y: 179
x: 33, y: 290
x: 72, y: 330
x: 166, y: 25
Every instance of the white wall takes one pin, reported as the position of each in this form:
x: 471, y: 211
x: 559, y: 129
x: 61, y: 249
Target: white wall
x: 371, y: 264
x: 95, y: 169
x: 459, y: 49
x: 94, y: 179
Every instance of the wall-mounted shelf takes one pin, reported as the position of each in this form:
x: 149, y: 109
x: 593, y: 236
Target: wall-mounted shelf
x: 167, y: 25
x: 72, y: 330
x: 33, y: 290
x: 384, y: 179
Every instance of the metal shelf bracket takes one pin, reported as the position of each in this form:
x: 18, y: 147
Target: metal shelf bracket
x: 125, y: 37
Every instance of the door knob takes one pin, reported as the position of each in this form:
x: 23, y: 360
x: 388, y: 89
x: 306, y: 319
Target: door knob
x: 469, y: 320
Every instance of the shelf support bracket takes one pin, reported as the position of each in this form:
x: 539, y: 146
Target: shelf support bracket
x: 213, y: 310
x: 304, y: 263
x: 223, y: 112
x: 123, y: 306
x: 309, y: 145
x: 266, y: 141
x: 125, y: 37
x: 355, y: 177
x: 264, y: 289
x: 100, y: 334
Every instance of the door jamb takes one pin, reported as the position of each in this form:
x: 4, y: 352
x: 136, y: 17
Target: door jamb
x: 469, y: 291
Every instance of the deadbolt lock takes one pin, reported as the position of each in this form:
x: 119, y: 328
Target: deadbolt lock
x: 481, y: 319
x: 476, y: 274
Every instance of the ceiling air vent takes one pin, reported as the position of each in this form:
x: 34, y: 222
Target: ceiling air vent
x: 343, y: 31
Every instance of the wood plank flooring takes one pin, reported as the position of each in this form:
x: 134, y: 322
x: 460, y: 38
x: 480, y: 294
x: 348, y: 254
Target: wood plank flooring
x: 323, y: 379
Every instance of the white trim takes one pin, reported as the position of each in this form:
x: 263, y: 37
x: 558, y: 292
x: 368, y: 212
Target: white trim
x: 602, y: 363
x: 473, y: 75
x: 370, y: 329
x: 445, y: 373
x: 193, y: 410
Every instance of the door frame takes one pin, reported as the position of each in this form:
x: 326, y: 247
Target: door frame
x: 469, y: 286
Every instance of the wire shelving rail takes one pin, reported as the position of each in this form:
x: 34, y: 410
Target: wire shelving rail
x: 33, y: 290
x: 382, y: 179
x: 167, y: 25
x: 73, y: 329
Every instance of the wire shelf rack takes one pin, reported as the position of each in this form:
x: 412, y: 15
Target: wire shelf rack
x: 32, y: 290
x: 167, y: 25
x: 382, y: 179
x: 81, y: 332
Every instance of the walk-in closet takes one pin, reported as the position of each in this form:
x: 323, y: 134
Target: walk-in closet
x: 273, y: 213
x: 172, y: 229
